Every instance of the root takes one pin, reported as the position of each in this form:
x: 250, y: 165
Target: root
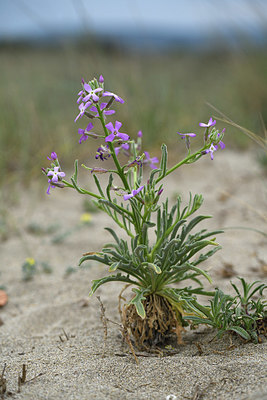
x: 160, y: 326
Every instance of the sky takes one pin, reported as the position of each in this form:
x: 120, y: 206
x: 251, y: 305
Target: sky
x: 29, y: 18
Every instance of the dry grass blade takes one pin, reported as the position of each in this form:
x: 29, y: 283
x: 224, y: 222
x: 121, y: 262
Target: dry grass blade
x: 256, y: 138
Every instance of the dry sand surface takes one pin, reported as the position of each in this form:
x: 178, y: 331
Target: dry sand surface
x: 71, y: 366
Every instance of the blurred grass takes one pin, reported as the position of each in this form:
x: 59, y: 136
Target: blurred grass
x: 163, y: 93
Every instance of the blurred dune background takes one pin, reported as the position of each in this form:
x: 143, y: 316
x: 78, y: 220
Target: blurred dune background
x: 167, y: 60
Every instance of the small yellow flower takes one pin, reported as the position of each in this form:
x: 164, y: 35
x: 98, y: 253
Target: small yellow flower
x: 85, y: 218
x: 30, y: 261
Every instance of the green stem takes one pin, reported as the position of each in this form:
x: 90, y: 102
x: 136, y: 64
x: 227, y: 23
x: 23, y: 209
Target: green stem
x: 82, y: 191
x: 115, y: 159
x: 184, y: 161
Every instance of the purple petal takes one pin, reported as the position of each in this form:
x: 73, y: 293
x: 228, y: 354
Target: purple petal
x: 88, y: 97
x: 119, y: 99
x: 107, y: 94
x: 89, y: 127
x: 139, y: 134
x: 211, y: 122
x: 118, y: 125
x: 54, y: 179
x: 203, y: 125
x: 127, y: 196
x: 147, y: 155
x: 87, y: 87
x: 139, y: 189
x: 109, y: 112
x: 117, y: 150
x: 123, y: 136
x: 94, y: 109
x: 110, y: 127
x: 222, y: 145
x: 95, y: 97
x: 110, y: 138
x: 101, y: 79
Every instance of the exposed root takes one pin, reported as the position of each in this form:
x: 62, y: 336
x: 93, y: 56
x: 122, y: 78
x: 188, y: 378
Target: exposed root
x: 262, y: 326
x: 160, y: 326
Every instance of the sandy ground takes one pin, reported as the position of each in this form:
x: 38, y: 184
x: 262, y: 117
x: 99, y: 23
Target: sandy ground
x: 70, y: 365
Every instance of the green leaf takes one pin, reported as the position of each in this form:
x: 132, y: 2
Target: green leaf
x: 111, y: 231
x: 154, y: 267
x: 192, y: 224
x: 240, y: 331
x: 112, y: 278
x: 163, y: 162
x: 98, y: 186
x: 75, y: 175
x: 109, y: 186
x: 137, y: 301
x: 114, y: 266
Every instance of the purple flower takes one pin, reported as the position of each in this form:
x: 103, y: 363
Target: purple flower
x: 80, y: 94
x: 151, y: 161
x: 84, y: 132
x: 82, y: 108
x: 139, y: 134
x: 135, y: 162
x: 134, y: 193
x: 49, y: 187
x: 91, y: 93
x: 115, y: 132
x: 53, y: 156
x: 116, y: 97
x: 101, y: 79
x: 211, y: 150
x: 56, y: 175
x: 222, y: 145
x: 102, y: 107
x: 103, y: 152
x: 123, y: 146
x: 209, y: 124
x: 187, y: 136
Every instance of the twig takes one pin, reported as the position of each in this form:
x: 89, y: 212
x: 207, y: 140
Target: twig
x: 197, y: 394
x: 122, y: 298
x: 199, y: 347
x: 3, y: 383
x: 123, y: 330
x: 65, y: 334
x: 105, y: 325
x: 22, y: 378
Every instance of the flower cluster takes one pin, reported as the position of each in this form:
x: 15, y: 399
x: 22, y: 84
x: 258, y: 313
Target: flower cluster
x: 212, y: 137
x: 54, y: 173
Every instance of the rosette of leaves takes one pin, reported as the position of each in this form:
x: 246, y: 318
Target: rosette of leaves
x: 241, y: 314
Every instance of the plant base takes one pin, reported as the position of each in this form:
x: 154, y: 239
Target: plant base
x: 160, y: 326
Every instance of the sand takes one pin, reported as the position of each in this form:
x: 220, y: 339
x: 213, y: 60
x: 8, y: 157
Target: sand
x: 51, y: 326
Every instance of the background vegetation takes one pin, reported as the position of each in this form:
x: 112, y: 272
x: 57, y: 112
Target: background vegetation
x: 164, y: 93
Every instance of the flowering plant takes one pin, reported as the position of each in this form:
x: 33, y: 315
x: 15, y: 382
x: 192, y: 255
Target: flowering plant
x: 152, y: 266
